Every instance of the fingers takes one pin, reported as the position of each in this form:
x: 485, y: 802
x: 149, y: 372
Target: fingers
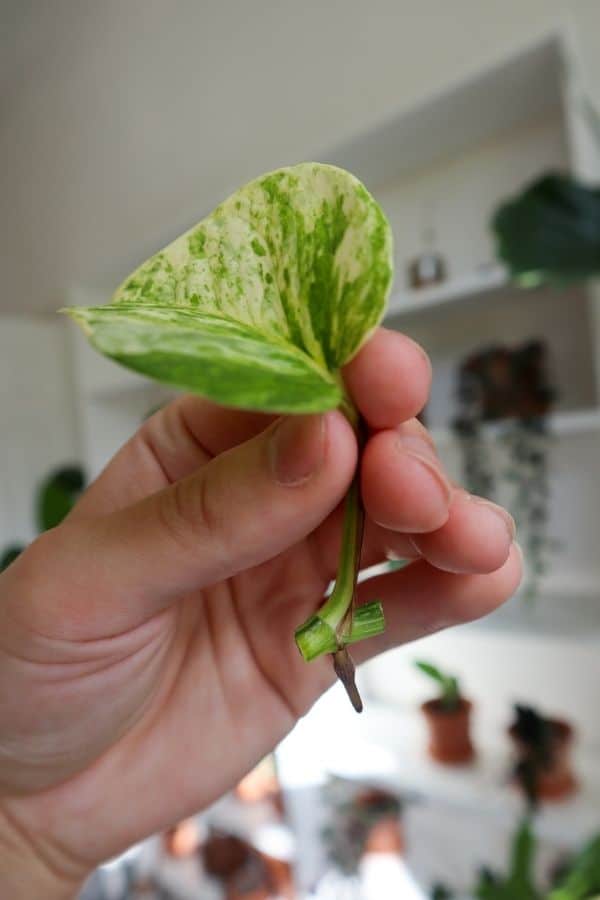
x: 403, y: 484
x: 174, y: 442
x: 421, y: 599
x: 389, y: 379
x: 245, y: 506
x: 476, y: 537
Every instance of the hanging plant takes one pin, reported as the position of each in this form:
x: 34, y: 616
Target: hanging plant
x: 259, y: 307
x: 478, y: 474
x: 510, y: 387
x: 528, y: 442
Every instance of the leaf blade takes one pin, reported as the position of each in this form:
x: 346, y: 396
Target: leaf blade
x: 223, y: 361
x: 299, y: 259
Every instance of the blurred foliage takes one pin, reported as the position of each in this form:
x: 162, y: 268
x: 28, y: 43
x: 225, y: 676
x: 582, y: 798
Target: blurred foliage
x: 9, y: 554
x: 54, y: 500
x: 550, y: 232
x: 534, y: 733
x: 582, y: 880
x: 449, y: 690
x: 579, y: 880
x: 518, y: 884
x: 57, y: 496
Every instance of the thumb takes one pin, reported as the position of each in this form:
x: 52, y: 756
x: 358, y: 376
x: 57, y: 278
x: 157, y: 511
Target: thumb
x: 239, y: 510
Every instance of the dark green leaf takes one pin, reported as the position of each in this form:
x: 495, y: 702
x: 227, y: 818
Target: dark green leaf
x: 9, y: 554
x: 550, y: 232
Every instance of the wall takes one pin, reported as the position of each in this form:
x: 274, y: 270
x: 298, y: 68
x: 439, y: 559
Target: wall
x: 497, y: 669
x: 37, y: 413
x: 124, y: 122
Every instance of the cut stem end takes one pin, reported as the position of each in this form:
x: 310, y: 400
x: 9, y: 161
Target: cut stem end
x: 317, y: 637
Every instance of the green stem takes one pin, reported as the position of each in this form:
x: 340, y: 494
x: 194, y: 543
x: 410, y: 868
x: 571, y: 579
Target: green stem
x: 338, y: 622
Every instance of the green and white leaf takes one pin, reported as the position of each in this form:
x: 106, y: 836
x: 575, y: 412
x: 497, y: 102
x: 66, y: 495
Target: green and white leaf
x: 260, y: 304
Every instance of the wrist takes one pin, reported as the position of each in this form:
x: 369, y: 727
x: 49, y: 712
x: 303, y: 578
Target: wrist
x: 25, y: 873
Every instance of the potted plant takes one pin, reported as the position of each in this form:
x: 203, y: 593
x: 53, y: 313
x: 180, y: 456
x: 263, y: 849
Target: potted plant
x: 361, y: 820
x: 182, y: 839
x: 518, y: 883
x: 510, y: 386
x: 448, y: 719
x: 261, y: 786
x: 243, y: 871
x: 581, y: 881
x: 543, y: 755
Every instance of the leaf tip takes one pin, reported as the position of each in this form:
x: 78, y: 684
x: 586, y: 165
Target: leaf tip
x: 79, y: 315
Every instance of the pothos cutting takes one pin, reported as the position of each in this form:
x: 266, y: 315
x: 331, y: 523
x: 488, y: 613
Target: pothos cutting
x: 259, y: 306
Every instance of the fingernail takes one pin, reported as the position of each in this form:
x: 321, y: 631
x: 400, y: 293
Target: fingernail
x: 424, y: 452
x: 519, y: 550
x: 297, y: 448
x: 498, y: 511
x: 425, y: 355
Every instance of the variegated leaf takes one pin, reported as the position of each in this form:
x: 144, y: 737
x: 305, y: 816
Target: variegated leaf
x: 260, y: 304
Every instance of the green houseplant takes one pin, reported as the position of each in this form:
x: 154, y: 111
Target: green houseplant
x: 582, y: 878
x: 448, y: 718
x: 259, y: 306
x: 510, y: 386
x: 548, y: 233
x: 54, y: 499
x: 542, y: 750
x: 450, y: 697
x: 579, y: 880
x: 518, y: 883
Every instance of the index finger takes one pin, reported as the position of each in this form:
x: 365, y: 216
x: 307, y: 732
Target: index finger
x: 389, y: 379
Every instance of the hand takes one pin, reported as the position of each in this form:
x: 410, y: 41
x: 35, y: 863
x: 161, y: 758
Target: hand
x: 147, y: 658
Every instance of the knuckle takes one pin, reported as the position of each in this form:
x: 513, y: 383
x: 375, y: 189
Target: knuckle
x: 189, y: 512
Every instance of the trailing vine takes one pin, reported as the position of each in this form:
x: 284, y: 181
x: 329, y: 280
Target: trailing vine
x: 510, y: 388
x: 527, y: 470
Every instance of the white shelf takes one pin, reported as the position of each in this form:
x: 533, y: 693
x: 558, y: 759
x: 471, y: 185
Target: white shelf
x: 396, y: 740
x: 482, y: 285
x: 472, y: 110
x: 563, y: 424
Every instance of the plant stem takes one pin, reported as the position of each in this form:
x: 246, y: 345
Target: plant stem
x: 339, y: 622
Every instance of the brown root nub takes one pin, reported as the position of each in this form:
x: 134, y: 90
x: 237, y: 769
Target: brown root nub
x: 344, y: 669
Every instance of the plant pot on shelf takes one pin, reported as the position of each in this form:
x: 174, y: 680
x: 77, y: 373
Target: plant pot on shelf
x: 182, y: 840
x: 383, y: 824
x: 244, y: 872
x: 549, y: 775
x: 449, y: 732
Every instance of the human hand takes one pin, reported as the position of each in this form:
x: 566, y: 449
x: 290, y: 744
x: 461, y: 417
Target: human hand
x: 147, y: 657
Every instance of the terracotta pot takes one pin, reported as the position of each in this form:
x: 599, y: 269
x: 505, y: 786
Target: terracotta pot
x: 281, y: 876
x: 555, y: 779
x: 385, y: 836
x: 244, y: 872
x: 449, y: 732
x: 183, y: 839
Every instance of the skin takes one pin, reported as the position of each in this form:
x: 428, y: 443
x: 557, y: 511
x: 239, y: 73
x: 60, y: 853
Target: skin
x: 147, y: 659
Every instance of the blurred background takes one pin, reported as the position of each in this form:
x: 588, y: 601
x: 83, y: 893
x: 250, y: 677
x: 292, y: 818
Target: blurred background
x: 122, y: 124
